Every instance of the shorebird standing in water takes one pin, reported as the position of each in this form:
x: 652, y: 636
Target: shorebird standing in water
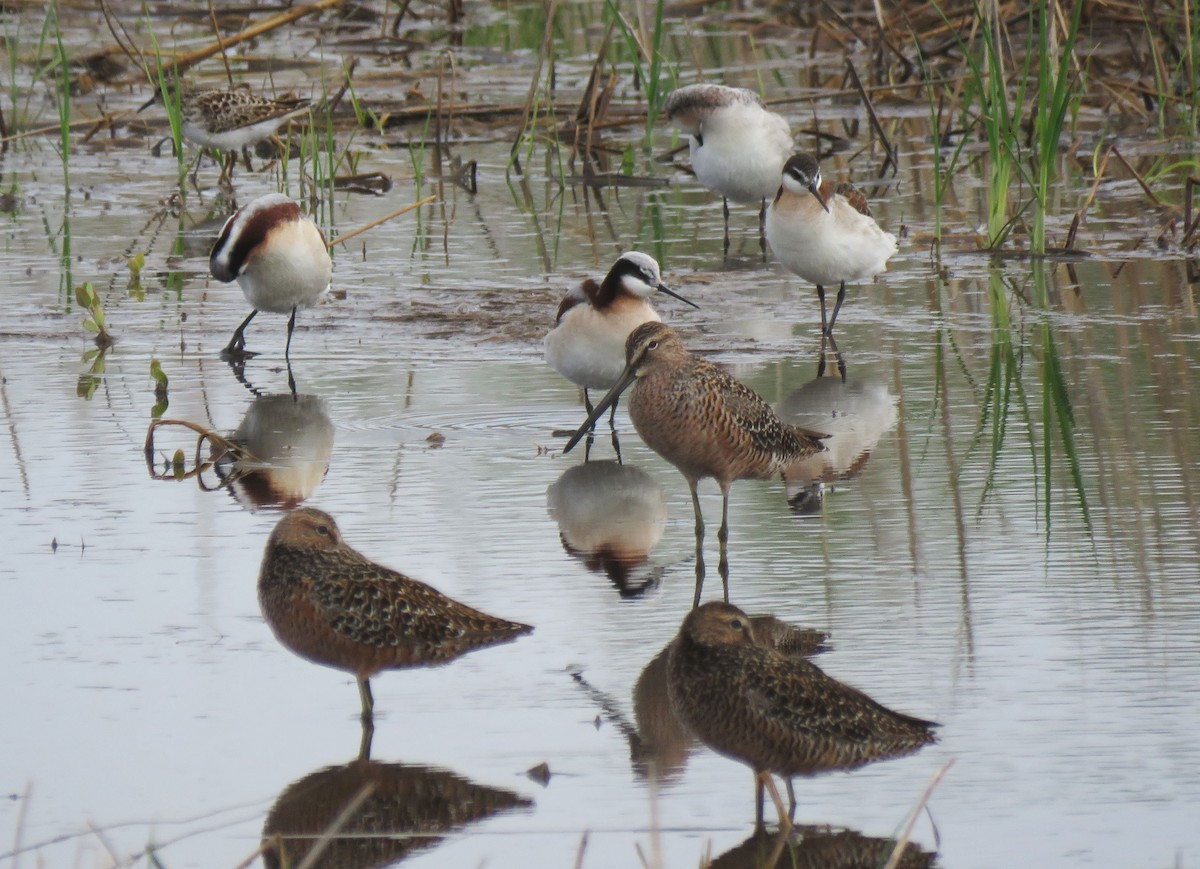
x: 587, y: 343
x: 278, y: 256
x: 737, y: 146
x: 229, y: 121
x: 779, y: 714
x: 824, y: 232
x: 333, y: 606
x: 701, y: 420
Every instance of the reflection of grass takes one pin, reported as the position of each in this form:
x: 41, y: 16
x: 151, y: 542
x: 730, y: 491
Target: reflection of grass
x: 1005, y: 397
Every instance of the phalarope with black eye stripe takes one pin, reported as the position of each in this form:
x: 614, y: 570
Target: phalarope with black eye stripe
x: 824, y: 232
x: 587, y: 344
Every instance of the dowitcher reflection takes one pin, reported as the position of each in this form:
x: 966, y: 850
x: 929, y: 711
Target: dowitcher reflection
x: 703, y: 421
x: 394, y: 810
x: 780, y: 715
x: 331, y: 605
x: 610, y: 516
x: 811, y: 847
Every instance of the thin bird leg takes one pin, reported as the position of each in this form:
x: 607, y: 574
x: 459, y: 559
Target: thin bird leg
x: 587, y: 402
x: 616, y: 444
x: 723, y: 538
x: 287, y: 348
x: 237, y: 344
x: 821, y: 296
x: 699, y: 543
x: 368, y: 734
x: 758, y: 802
x: 791, y: 800
x: 785, y: 822
x: 612, y: 416
x: 837, y: 306
x: 725, y: 209
x: 368, y: 702
x: 762, y: 229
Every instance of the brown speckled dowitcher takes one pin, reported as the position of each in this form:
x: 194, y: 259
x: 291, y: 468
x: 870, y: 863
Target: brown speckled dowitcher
x: 824, y: 232
x: 780, y: 715
x: 701, y: 419
x: 231, y: 120
x: 328, y: 603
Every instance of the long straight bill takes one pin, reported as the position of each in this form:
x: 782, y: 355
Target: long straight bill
x: 627, y: 377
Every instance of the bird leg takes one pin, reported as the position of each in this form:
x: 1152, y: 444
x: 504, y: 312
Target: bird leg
x: 762, y: 229
x: 791, y: 800
x: 287, y: 348
x: 765, y: 779
x: 758, y: 802
x: 725, y: 209
x: 824, y: 322
x: 837, y: 306
x: 237, y: 344
x: 723, y: 539
x: 368, y: 734
x: 368, y: 702
x: 616, y: 443
x: 699, y: 543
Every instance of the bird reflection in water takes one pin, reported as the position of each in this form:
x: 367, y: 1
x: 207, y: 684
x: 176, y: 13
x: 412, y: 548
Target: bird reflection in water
x: 810, y: 847
x: 780, y: 715
x: 659, y: 743
x: 367, y: 814
x: 286, y: 443
x: 854, y: 413
x: 331, y: 605
x: 704, y: 422
x: 610, y: 516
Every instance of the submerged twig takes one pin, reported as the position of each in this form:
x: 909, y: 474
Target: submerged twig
x: 374, y: 223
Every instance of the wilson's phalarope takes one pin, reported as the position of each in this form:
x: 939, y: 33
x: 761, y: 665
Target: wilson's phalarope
x: 278, y: 256
x: 231, y: 120
x: 824, y: 232
x: 587, y: 343
x: 701, y: 420
x: 718, y: 676
x: 331, y: 605
x: 737, y: 147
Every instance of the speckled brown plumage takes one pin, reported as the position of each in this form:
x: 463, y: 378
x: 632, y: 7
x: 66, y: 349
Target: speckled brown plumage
x: 701, y: 419
x: 777, y: 714
x: 665, y: 741
x: 407, y: 809
x: 328, y: 603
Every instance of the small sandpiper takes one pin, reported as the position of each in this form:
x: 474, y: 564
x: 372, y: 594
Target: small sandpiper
x: 779, y: 714
x: 587, y: 343
x: 737, y: 146
x: 231, y: 120
x: 331, y: 605
x: 278, y: 256
x: 824, y: 232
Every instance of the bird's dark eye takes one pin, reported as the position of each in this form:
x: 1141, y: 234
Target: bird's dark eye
x: 653, y: 345
x: 736, y: 624
x: 323, y: 530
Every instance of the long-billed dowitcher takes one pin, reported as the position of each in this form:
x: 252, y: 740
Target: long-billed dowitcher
x: 701, y: 420
x: 780, y: 715
x: 279, y: 258
x: 738, y: 147
x: 231, y: 120
x: 824, y: 232
x: 587, y: 343
x: 331, y: 605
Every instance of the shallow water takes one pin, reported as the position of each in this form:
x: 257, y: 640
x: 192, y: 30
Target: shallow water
x: 147, y: 699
